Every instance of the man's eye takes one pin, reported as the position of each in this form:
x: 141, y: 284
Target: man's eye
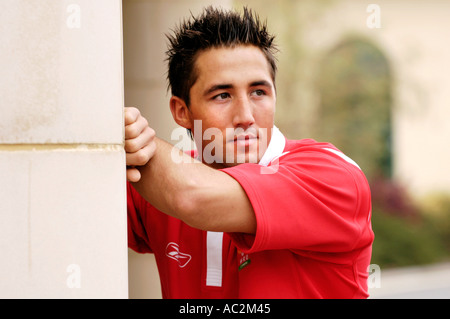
x: 222, y: 96
x: 259, y: 92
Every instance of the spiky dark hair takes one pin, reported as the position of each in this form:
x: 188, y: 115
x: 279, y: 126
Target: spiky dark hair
x: 213, y: 28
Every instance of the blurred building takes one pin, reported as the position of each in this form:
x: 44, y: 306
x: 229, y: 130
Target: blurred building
x: 394, y: 112
x: 410, y: 42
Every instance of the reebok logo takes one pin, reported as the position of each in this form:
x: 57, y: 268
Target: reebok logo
x: 173, y: 252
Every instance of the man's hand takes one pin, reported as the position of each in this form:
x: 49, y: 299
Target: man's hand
x: 200, y: 196
x: 140, y: 142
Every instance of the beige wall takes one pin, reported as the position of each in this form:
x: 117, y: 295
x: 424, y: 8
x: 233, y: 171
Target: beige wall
x: 62, y: 197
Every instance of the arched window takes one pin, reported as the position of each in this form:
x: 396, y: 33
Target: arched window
x: 354, y: 85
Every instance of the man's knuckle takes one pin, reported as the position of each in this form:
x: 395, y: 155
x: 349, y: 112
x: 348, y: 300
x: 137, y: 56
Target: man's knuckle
x: 133, y: 131
x: 142, y: 157
x: 128, y: 132
x: 130, y: 146
x: 151, y: 132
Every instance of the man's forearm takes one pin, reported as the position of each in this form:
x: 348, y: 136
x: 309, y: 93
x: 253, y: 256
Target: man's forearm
x: 202, y: 197
x: 163, y: 182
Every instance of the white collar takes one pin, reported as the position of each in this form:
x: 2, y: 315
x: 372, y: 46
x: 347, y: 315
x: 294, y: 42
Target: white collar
x: 275, y: 148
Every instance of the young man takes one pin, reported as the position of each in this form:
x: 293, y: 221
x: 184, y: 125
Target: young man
x: 258, y: 216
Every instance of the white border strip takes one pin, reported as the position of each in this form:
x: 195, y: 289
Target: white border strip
x: 214, y: 259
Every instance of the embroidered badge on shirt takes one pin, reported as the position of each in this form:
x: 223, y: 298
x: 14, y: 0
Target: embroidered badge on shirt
x: 244, y: 260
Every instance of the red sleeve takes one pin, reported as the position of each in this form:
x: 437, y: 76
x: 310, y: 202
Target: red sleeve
x: 314, y: 201
x: 137, y: 235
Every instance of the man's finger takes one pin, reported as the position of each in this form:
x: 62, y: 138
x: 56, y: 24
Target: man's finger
x: 130, y: 115
x: 133, y: 175
x: 142, y: 156
x: 137, y: 127
x: 143, y: 139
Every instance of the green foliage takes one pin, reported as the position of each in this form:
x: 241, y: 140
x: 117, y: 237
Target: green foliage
x: 436, y: 208
x: 418, y: 236
x: 402, y: 242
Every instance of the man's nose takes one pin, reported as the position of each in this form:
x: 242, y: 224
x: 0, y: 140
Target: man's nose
x: 243, y: 113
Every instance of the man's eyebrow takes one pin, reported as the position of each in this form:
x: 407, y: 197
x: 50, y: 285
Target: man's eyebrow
x: 230, y: 86
x: 261, y: 83
x: 217, y: 87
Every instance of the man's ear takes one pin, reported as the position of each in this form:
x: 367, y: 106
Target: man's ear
x: 180, y: 112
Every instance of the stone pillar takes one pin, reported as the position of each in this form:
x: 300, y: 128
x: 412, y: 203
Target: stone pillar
x: 62, y: 164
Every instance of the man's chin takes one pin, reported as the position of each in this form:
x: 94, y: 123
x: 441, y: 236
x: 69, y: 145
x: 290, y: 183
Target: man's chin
x: 233, y: 163
x: 241, y: 159
x: 231, y: 157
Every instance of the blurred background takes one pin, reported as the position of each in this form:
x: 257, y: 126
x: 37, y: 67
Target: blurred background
x: 371, y: 78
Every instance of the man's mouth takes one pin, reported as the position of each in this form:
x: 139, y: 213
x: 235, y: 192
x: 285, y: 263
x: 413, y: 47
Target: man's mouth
x: 245, y: 140
x: 244, y: 137
x: 239, y: 135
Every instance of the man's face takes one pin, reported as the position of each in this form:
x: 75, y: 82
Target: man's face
x: 234, y: 97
